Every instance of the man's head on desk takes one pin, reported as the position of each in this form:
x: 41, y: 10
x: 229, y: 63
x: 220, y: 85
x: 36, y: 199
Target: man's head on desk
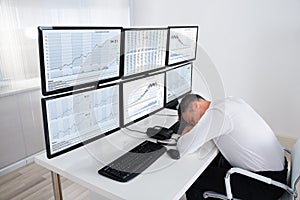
x: 192, y: 107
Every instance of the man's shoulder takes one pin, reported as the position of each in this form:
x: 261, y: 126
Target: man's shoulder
x: 234, y: 99
x: 228, y: 103
x: 229, y: 99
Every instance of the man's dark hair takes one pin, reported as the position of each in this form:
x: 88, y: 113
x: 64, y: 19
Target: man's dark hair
x: 185, y: 102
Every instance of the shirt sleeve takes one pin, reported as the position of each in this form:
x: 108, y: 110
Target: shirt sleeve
x: 212, y: 124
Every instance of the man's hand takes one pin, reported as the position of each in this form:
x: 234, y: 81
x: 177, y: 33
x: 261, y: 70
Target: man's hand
x: 187, y: 129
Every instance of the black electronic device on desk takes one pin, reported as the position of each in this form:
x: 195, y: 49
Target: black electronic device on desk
x: 178, y: 127
x: 162, y: 133
x: 175, y: 127
x: 159, y: 133
x: 133, y: 162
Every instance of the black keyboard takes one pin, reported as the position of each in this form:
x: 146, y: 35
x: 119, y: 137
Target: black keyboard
x: 133, y: 162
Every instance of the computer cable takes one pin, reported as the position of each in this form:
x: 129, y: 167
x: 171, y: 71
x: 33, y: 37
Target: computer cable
x: 167, y: 115
x: 167, y: 143
x: 135, y: 130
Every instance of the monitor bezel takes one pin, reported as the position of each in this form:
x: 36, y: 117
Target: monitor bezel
x: 180, y: 96
x: 125, y: 77
x: 168, y: 46
x: 82, y: 143
x: 122, y: 121
x: 79, y: 86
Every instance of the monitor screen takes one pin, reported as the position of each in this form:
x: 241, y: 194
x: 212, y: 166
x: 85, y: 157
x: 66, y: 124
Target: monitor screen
x: 142, y: 97
x: 178, y: 82
x: 144, y: 50
x: 75, y: 56
x: 182, y: 44
x: 70, y: 120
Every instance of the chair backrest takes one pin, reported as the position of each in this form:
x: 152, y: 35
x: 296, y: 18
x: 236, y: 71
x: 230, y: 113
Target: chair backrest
x: 295, y: 170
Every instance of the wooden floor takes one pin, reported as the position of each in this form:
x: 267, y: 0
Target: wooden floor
x: 34, y: 182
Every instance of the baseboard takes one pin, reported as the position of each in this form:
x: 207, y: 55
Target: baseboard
x: 19, y: 164
x: 12, y: 167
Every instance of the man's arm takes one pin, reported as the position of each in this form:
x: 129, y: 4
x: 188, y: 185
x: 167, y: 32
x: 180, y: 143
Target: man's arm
x: 213, y: 124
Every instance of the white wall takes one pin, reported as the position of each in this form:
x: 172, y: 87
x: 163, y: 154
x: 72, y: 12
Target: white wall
x: 254, y: 45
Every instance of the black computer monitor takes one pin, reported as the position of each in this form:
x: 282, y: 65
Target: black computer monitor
x: 142, y: 97
x: 78, y: 56
x: 182, y: 44
x: 178, y: 82
x: 144, y: 50
x: 73, y: 119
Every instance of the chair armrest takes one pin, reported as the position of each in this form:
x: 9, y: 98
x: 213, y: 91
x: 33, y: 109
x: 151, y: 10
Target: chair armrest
x: 287, y: 150
x: 255, y: 176
x: 215, y: 195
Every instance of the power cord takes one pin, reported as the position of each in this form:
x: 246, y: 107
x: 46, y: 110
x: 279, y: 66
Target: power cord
x: 134, y: 130
x: 167, y: 115
x: 157, y: 141
x: 167, y: 143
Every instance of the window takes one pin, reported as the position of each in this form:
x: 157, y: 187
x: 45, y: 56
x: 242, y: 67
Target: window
x: 19, y: 63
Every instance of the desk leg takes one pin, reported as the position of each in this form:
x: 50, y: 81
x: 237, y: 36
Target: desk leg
x: 56, y: 186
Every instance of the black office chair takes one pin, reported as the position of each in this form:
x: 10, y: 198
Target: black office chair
x: 293, y: 178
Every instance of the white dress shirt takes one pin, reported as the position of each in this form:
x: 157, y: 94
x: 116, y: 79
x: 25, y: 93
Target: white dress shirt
x: 240, y: 134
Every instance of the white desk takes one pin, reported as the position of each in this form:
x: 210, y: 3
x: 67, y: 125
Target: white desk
x: 164, y: 179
